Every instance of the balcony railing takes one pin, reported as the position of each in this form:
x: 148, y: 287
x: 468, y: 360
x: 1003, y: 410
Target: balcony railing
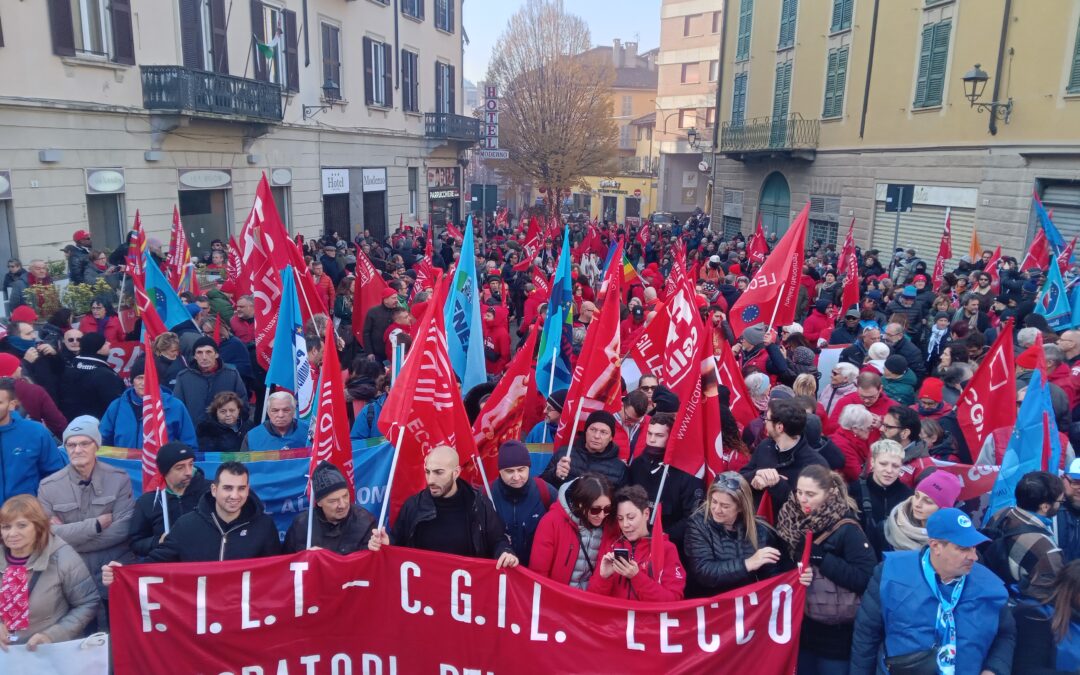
x: 180, y: 89
x: 766, y: 135
x: 451, y: 127
x: 638, y: 165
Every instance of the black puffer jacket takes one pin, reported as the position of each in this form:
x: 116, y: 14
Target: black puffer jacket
x: 200, y: 536
x: 606, y: 463
x: 881, y: 500
x: 716, y: 557
x: 682, y: 494
x: 348, y: 536
x: 487, y: 531
x: 216, y: 437
x: 88, y: 387
x: 148, y: 521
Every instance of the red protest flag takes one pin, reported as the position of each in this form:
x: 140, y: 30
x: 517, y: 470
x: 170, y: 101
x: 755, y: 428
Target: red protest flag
x: 614, y: 269
x: 453, y: 230
x: 596, y: 382
x: 989, y: 400
x: 944, y: 252
x: 643, y: 235
x: 1038, y: 254
x: 217, y: 328
x: 425, y: 278
x: 685, y: 353
x: 731, y: 376
x: 541, y: 282
x: 648, y: 350
x: 1066, y: 256
x: 330, y: 442
x: 758, y: 248
x: 992, y: 270
x: 311, y: 301
x: 534, y: 241
x: 503, y: 414
x: 176, y: 263
x: 849, y: 267
x: 266, y: 253
x: 155, y: 432
x: 153, y: 326
x: 774, y: 291
x: 425, y: 400
x: 368, y: 288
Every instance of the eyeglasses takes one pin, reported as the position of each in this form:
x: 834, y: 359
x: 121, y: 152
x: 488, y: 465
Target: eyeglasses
x: 647, y: 388
x: 598, y: 510
x: 889, y: 426
x: 71, y: 445
x: 72, y: 339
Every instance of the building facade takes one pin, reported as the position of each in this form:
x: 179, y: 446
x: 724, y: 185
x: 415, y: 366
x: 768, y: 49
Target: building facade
x: 861, y: 108
x: 688, y: 67
x: 349, y: 108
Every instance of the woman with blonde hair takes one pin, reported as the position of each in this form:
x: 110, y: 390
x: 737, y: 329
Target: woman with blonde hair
x: 46, y: 592
x: 726, y: 545
x: 805, y: 385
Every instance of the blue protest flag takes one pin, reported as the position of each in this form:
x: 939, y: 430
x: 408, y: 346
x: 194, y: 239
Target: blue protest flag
x: 1057, y: 242
x: 1053, y: 300
x: 556, y: 342
x: 289, y: 366
x: 166, y: 301
x: 464, y: 327
x: 1034, y: 436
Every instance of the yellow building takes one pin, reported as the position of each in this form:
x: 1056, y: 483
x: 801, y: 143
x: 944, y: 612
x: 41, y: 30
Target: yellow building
x: 859, y: 105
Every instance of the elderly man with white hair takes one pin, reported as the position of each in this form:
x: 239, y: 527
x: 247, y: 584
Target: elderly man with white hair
x: 841, y: 383
x: 281, y: 430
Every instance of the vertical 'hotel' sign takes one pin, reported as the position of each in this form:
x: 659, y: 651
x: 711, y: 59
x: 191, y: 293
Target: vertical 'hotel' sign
x: 491, y: 117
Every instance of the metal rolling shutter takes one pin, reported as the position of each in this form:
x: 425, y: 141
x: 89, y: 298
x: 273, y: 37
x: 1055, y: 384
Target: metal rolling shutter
x: 1064, y: 199
x: 921, y: 230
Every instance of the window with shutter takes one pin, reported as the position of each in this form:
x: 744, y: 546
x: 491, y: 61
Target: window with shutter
x: 191, y: 33
x: 219, y: 25
x: 388, y: 75
x: 62, y: 27
x: 1074, y: 76
x: 788, y: 12
x: 781, y: 100
x: 835, y: 81
x: 738, y: 101
x: 439, y: 104
x: 292, y: 56
x: 933, y: 60
x: 746, y: 17
x: 444, y: 15
x: 410, y: 98
x: 369, y: 71
x: 451, y: 87
x: 841, y: 15
x: 413, y: 8
x: 331, y: 55
x: 123, y: 39
x: 260, y: 68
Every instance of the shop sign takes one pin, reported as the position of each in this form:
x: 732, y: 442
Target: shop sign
x: 614, y: 184
x: 374, y: 180
x: 444, y: 194
x: 205, y: 179
x: 442, y: 177
x: 281, y: 177
x: 335, y: 181
x: 489, y: 137
x: 104, y: 181
x: 5, y: 185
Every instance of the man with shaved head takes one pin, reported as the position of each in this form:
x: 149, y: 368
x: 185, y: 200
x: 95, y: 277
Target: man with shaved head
x: 450, y: 516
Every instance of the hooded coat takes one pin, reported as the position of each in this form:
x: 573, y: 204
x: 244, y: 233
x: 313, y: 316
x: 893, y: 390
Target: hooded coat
x: 558, y: 539
x: 496, y: 340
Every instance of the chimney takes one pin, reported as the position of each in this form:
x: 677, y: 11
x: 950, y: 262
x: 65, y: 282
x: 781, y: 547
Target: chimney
x: 617, y: 53
x: 631, y: 55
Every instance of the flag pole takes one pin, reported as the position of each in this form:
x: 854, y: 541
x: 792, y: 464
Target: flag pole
x: 484, y: 478
x: 310, y: 512
x: 573, y: 429
x: 659, y: 491
x: 165, y: 508
x: 390, y: 479
x: 266, y: 403
x: 551, y: 382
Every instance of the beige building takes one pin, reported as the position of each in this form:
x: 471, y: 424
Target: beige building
x: 861, y: 105
x: 352, y: 110
x: 688, y: 67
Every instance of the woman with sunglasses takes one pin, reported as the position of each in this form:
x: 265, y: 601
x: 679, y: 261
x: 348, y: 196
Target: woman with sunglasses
x: 102, y: 319
x: 568, y: 540
x: 726, y: 545
x: 627, y: 568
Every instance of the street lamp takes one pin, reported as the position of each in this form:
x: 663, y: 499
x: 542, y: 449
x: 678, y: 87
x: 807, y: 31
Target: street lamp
x: 692, y: 137
x: 974, y: 84
x: 331, y: 94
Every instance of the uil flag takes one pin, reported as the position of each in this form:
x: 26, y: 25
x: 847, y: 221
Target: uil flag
x: 989, y: 401
x: 774, y: 291
x: 597, y: 375
x: 465, y: 334
x: 155, y: 432
x: 758, y: 248
x: 368, y: 288
x: 944, y: 251
x: 502, y: 416
x: 849, y: 267
x: 179, y: 258
x: 331, y: 440
x: 1053, y: 236
x: 289, y: 365
x: 425, y: 400
x: 1053, y: 301
x: 534, y: 241
x: 556, y: 342
x: 161, y: 293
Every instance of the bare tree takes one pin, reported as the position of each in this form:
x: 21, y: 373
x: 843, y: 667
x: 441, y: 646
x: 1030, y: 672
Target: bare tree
x: 555, y: 102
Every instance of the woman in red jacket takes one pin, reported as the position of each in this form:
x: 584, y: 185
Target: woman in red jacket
x: 851, y: 438
x: 102, y: 319
x: 627, y: 568
x: 568, y: 540
x: 496, y: 339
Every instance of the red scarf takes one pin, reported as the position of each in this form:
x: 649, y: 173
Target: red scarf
x: 15, y: 597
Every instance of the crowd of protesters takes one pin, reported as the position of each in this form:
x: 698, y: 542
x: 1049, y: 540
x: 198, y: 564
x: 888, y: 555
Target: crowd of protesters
x: 900, y: 577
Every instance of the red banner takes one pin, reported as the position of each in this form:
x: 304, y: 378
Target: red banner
x: 408, y: 611
x: 975, y: 479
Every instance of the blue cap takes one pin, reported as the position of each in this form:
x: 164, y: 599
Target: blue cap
x: 193, y: 309
x: 910, y: 292
x: 955, y: 526
x: 1073, y: 470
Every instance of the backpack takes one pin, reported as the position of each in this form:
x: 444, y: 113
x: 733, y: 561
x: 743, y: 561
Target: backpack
x: 545, y: 492
x: 994, y: 554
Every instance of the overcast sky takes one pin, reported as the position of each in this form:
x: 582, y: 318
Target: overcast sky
x: 485, y: 20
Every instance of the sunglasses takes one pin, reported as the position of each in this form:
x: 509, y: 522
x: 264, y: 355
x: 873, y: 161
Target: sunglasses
x: 598, y: 510
x: 728, y: 481
x: 72, y: 339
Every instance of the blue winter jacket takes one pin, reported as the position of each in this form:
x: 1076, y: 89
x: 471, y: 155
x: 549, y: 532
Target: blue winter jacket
x: 122, y: 426
x: 537, y: 433
x: 265, y: 437
x: 898, y: 613
x: 28, y: 453
x: 367, y: 420
x: 522, y: 511
x: 1067, y: 525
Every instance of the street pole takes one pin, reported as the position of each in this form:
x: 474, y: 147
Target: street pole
x: 896, y: 232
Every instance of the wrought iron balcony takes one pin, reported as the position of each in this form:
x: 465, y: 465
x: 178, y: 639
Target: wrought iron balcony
x: 765, y: 136
x: 184, y: 90
x: 451, y: 127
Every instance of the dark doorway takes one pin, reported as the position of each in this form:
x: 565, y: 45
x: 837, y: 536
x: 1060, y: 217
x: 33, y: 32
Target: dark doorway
x: 375, y: 214
x: 205, y: 215
x: 336, y: 216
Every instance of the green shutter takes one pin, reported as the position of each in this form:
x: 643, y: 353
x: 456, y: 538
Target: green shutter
x: 924, y: 66
x: 939, y: 59
x: 841, y: 81
x: 841, y: 15
x: 781, y: 99
x: 746, y: 14
x: 1074, y: 76
x: 788, y: 12
x: 738, y: 101
x: 830, y: 85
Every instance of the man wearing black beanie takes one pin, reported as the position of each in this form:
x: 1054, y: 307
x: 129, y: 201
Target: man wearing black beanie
x: 184, y: 487
x: 594, y: 451
x: 338, y: 524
